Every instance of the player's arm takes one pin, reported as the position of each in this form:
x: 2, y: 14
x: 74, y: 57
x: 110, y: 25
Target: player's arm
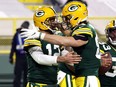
x: 106, y: 63
x: 13, y: 49
x: 65, y: 41
x: 106, y: 58
x: 55, y: 39
x: 43, y: 59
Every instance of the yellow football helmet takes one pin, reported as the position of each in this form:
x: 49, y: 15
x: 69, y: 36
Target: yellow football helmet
x: 74, y: 12
x: 111, y: 32
x: 42, y: 15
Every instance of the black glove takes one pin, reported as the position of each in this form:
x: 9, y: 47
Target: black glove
x: 11, y: 61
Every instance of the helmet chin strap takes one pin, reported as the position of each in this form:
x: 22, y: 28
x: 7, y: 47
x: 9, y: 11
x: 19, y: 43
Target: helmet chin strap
x: 53, y: 31
x: 112, y: 42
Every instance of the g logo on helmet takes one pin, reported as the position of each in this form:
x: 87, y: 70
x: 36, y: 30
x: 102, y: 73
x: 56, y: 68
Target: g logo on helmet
x: 40, y: 13
x: 73, y: 8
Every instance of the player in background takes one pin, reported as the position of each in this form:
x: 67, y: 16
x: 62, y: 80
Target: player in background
x: 20, y: 68
x: 42, y: 56
x: 109, y: 78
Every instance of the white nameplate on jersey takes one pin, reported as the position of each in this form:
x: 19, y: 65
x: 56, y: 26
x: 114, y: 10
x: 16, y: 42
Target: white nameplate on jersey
x: 60, y: 76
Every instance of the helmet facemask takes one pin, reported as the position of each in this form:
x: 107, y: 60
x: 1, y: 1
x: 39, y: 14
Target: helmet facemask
x: 111, y: 35
x: 51, y: 22
x: 66, y: 21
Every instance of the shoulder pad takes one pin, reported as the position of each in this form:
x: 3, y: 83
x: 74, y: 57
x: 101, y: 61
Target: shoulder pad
x: 32, y: 42
x: 86, y: 31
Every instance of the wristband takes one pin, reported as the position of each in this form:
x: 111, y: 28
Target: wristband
x: 42, y: 35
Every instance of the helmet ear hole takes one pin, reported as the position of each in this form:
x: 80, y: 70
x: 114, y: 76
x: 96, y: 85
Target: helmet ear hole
x: 79, y: 5
x: 76, y: 18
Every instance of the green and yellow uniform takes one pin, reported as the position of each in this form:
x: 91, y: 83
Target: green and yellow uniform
x: 87, y: 70
x: 68, y: 79
x: 41, y: 74
x: 109, y: 78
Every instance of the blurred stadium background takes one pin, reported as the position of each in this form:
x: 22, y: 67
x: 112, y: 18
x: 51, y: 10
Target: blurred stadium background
x: 14, y: 12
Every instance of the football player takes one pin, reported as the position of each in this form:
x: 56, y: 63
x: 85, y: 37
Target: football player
x: 83, y: 39
x: 43, y: 57
x: 109, y: 78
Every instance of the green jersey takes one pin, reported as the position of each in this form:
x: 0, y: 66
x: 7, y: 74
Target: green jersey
x: 90, y: 52
x: 38, y: 73
x: 109, y: 78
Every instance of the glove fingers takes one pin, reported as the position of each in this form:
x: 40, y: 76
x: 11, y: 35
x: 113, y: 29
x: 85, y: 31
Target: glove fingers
x: 24, y: 30
x: 29, y: 33
x: 27, y: 38
x: 25, y: 34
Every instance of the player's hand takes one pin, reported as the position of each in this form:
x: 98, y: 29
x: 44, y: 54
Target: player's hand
x: 73, y: 58
x: 11, y: 61
x: 106, y: 59
x: 106, y: 63
x: 70, y: 58
x: 29, y: 34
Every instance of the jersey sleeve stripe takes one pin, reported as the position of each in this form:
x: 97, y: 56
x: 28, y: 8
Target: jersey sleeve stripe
x: 32, y: 42
x: 83, y: 31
